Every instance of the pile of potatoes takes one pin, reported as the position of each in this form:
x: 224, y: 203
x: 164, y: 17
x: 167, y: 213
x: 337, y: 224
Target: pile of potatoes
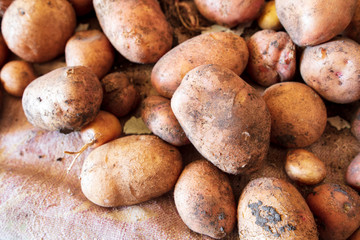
x: 302, y: 55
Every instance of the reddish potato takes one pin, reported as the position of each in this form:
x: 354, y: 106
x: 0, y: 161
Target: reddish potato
x: 272, y: 57
x: 355, y: 235
x: 353, y: 173
x: 337, y: 209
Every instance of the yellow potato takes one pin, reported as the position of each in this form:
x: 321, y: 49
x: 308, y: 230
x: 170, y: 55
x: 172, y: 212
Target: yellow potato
x: 268, y: 18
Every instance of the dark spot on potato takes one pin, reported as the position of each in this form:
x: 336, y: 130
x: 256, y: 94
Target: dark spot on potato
x: 21, y: 11
x: 39, y: 98
x: 59, y: 159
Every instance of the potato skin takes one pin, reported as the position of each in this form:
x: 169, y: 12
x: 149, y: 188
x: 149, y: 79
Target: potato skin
x: 336, y: 208
x: 159, y: 118
x: 64, y: 99
x: 298, y: 114
x: 205, y: 200
x: 91, y: 49
x: 229, y: 12
x: 271, y: 208
x: 272, y: 57
x: 353, y: 173
x: 332, y: 69
x: 37, y: 31
x: 130, y: 170
x: 224, y: 118
x: 136, y: 28
x: 310, y: 22
x: 221, y: 48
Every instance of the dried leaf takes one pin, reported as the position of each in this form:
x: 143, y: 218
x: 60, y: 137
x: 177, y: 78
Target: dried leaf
x: 135, y: 126
x: 338, y: 123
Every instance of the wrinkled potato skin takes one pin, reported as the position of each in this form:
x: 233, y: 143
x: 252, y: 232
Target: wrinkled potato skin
x: 159, y: 118
x: 333, y: 70
x: 225, y: 49
x: 298, y: 114
x: 120, y: 96
x: 136, y: 28
x: 336, y: 208
x: 272, y: 57
x: 82, y: 7
x: 310, y: 22
x: 204, y: 199
x: 37, y: 31
x: 353, y: 173
x: 64, y: 99
x: 224, y: 118
x: 271, y: 208
x: 130, y: 170
x: 303, y: 166
x: 91, y: 49
x: 229, y: 12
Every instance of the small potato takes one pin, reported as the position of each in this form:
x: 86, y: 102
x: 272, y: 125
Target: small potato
x: 332, y: 70
x: 271, y: 208
x: 229, y: 12
x: 82, y: 7
x: 91, y: 49
x: 336, y: 208
x: 272, y: 57
x: 298, y: 114
x: 268, y: 18
x: 130, y: 170
x: 120, y: 96
x: 353, y: 173
x: 303, y: 166
x: 355, y: 125
x: 159, y: 118
x: 64, y: 99
x: 37, y: 31
x: 205, y: 200
x: 15, y: 76
x: 224, y: 118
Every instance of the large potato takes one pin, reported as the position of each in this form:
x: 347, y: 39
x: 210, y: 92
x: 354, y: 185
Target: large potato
x: 205, y: 200
x: 310, y: 22
x: 224, y: 118
x: 333, y: 70
x: 37, y: 31
x: 271, y: 208
x: 137, y: 29
x: 130, y: 170
x: 64, y: 99
x: 222, y: 48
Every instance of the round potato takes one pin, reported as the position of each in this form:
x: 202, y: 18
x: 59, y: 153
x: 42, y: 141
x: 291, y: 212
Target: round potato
x: 353, y: 173
x: 271, y: 208
x: 91, y: 49
x: 130, y: 170
x: 221, y: 48
x: 205, y: 200
x: 64, y: 99
x: 303, y: 166
x: 336, y: 208
x: 37, y: 31
x: 272, y: 57
x: 332, y: 69
x: 224, y: 118
x: 159, y: 118
x: 15, y: 76
x: 298, y: 114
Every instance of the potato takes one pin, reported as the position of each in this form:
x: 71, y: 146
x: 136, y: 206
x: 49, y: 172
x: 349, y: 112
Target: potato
x: 355, y: 125
x: 271, y: 208
x: 130, y: 170
x: 353, y: 29
x: 37, y: 31
x: 224, y: 118
x: 303, y: 166
x: 221, y: 48
x: 64, y: 99
x: 355, y: 235
x: 120, y: 96
x: 353, y: 173
x: 230, y: 12
x: 4, y: 4
x: 336, y: 208
x: 272, y: 57
x: 137, y: 29
x: 268, y: 18
x: 91, y: 49
x: 82, y: 7
x: 159, y: 118
x: 15, y: 76
x: 332, y: 69
x: 310, y: 22
x: 298, y: 114
x: 204, y: 199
